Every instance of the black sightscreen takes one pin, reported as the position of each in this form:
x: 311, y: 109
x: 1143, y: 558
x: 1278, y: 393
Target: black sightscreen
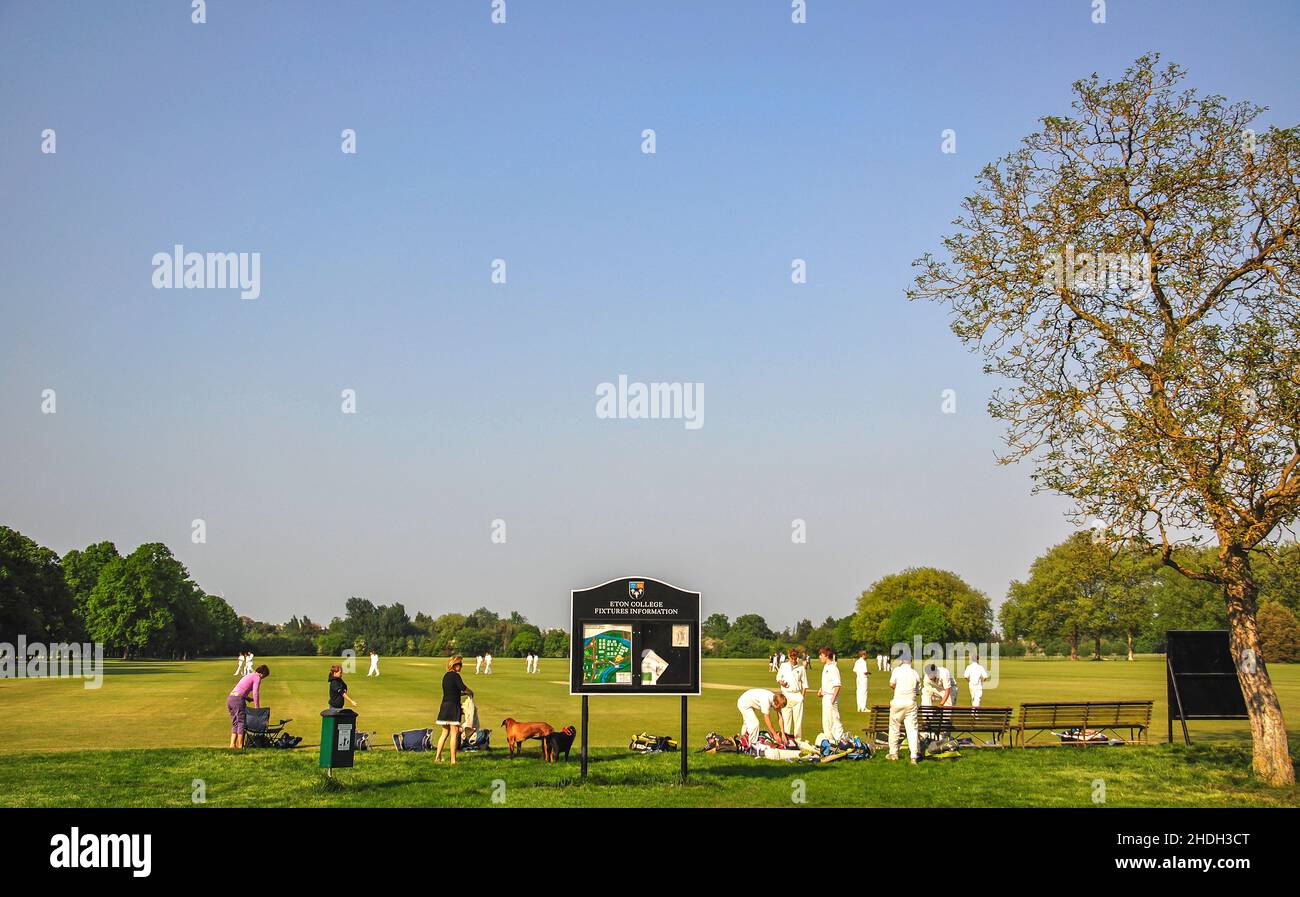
x: 1202, y: 678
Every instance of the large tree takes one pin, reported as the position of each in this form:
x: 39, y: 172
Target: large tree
x: 1130, y: 273
x: 81, y: 571
x: 966, y: 609
x: 34, y: 598
x: 146, y: 604
x: 1077, y: 590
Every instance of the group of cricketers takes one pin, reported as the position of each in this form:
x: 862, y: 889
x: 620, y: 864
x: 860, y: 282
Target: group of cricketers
x: 937, y: 687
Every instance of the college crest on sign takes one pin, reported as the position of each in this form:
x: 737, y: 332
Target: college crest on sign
x: 636, y: 589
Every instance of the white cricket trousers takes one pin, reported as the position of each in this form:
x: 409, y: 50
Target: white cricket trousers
x: 902, y: 716
x: 831, y: 723
x: 862, y: 694
x: 749, y: 724
x: 792, y: 714
x: 976, y: 695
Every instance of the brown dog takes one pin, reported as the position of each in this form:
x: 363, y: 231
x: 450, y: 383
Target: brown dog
x: 558, y: 743
x: 517, y: 733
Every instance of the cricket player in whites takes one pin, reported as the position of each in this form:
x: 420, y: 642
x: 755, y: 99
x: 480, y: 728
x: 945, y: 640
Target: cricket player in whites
x: 793, y: 679
x: 902, y: 709
x: 861, y: 670
x: 832, y: 726
x: 975, y: 676
x: 756, y: 702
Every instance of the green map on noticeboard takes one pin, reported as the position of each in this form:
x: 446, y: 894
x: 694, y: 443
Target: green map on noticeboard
x: 606, y: 655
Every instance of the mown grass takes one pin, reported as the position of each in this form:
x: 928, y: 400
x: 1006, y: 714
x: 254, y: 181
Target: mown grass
x: 1157, y: 776
x: 154, y: 728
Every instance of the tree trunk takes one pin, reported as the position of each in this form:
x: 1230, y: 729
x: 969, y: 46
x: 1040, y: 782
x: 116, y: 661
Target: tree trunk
x: 1272, y: 759
x: 1074, y: 644
x: 1129, y: 636
x: 1096, y: 647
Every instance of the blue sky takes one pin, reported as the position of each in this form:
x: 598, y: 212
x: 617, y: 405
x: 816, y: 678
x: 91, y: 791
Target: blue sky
x: 475, y: 401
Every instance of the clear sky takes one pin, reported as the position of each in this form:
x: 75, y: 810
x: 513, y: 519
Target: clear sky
x: 476, y: 401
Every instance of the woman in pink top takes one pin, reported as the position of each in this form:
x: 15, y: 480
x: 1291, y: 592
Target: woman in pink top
x: 249, y: 686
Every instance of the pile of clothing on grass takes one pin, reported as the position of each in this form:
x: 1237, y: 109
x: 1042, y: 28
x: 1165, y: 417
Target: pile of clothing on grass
x: 767, y: 746
x: 1089, y: 736
x: 847, y: 747
x: 644, y: 743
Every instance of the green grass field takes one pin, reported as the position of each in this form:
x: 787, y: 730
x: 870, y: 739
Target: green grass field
x: 153, y: 728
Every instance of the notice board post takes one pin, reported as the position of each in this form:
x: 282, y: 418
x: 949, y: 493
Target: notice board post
x: 634, y: 636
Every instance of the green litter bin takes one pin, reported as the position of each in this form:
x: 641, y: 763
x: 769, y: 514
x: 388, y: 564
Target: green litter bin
x: 337, y: 738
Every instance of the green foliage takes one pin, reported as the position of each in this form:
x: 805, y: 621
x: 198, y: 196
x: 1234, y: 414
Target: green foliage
x: 752, y: 626
x: 1279, y: 633
x: 1074, y: 592
x: 34, y: 597
x: 555, y: 643
x: 81, y: 571
x: 473, y: 642
x: 716, y: 626
x: 224, y: 630
x: 966, y: 611
x: 527, y: 639
x: 146, y: 604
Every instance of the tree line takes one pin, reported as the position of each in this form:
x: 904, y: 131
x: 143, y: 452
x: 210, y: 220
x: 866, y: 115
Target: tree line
x: 1081, y: 596
x: 146, y: 604
x: 1088, y: 593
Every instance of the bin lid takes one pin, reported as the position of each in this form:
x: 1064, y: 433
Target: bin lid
x: 340, y: 712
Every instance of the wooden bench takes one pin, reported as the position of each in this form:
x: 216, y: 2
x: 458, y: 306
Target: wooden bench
x: 1108, y: 717
x: 950, y: 722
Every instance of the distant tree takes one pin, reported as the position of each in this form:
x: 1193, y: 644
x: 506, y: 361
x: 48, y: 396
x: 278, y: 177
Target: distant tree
x: 716, y: 626
x: 1130, y: 594
x: 911, y: 619
x: 818, y: 636
x: 1180, y: 602
x: 752, y: 625
x: 555, y: 643
x: 34, y: 597
x: 1279, y: 633
x: 525, y: 640
x: 472, y: 642
x: 1278, y: 573
x: 1065, y: 594
x: 225, y: 632
x: 81, y: 570
x: 967, y: 610
x: 843, y: 640
x: 130, y: 609
x: 332, y: 643
x: 482, y: 618
x: 301, y: 626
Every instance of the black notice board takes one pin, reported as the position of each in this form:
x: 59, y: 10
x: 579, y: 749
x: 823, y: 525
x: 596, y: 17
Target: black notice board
x: 634, y: 636
x: 1202, y: 678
